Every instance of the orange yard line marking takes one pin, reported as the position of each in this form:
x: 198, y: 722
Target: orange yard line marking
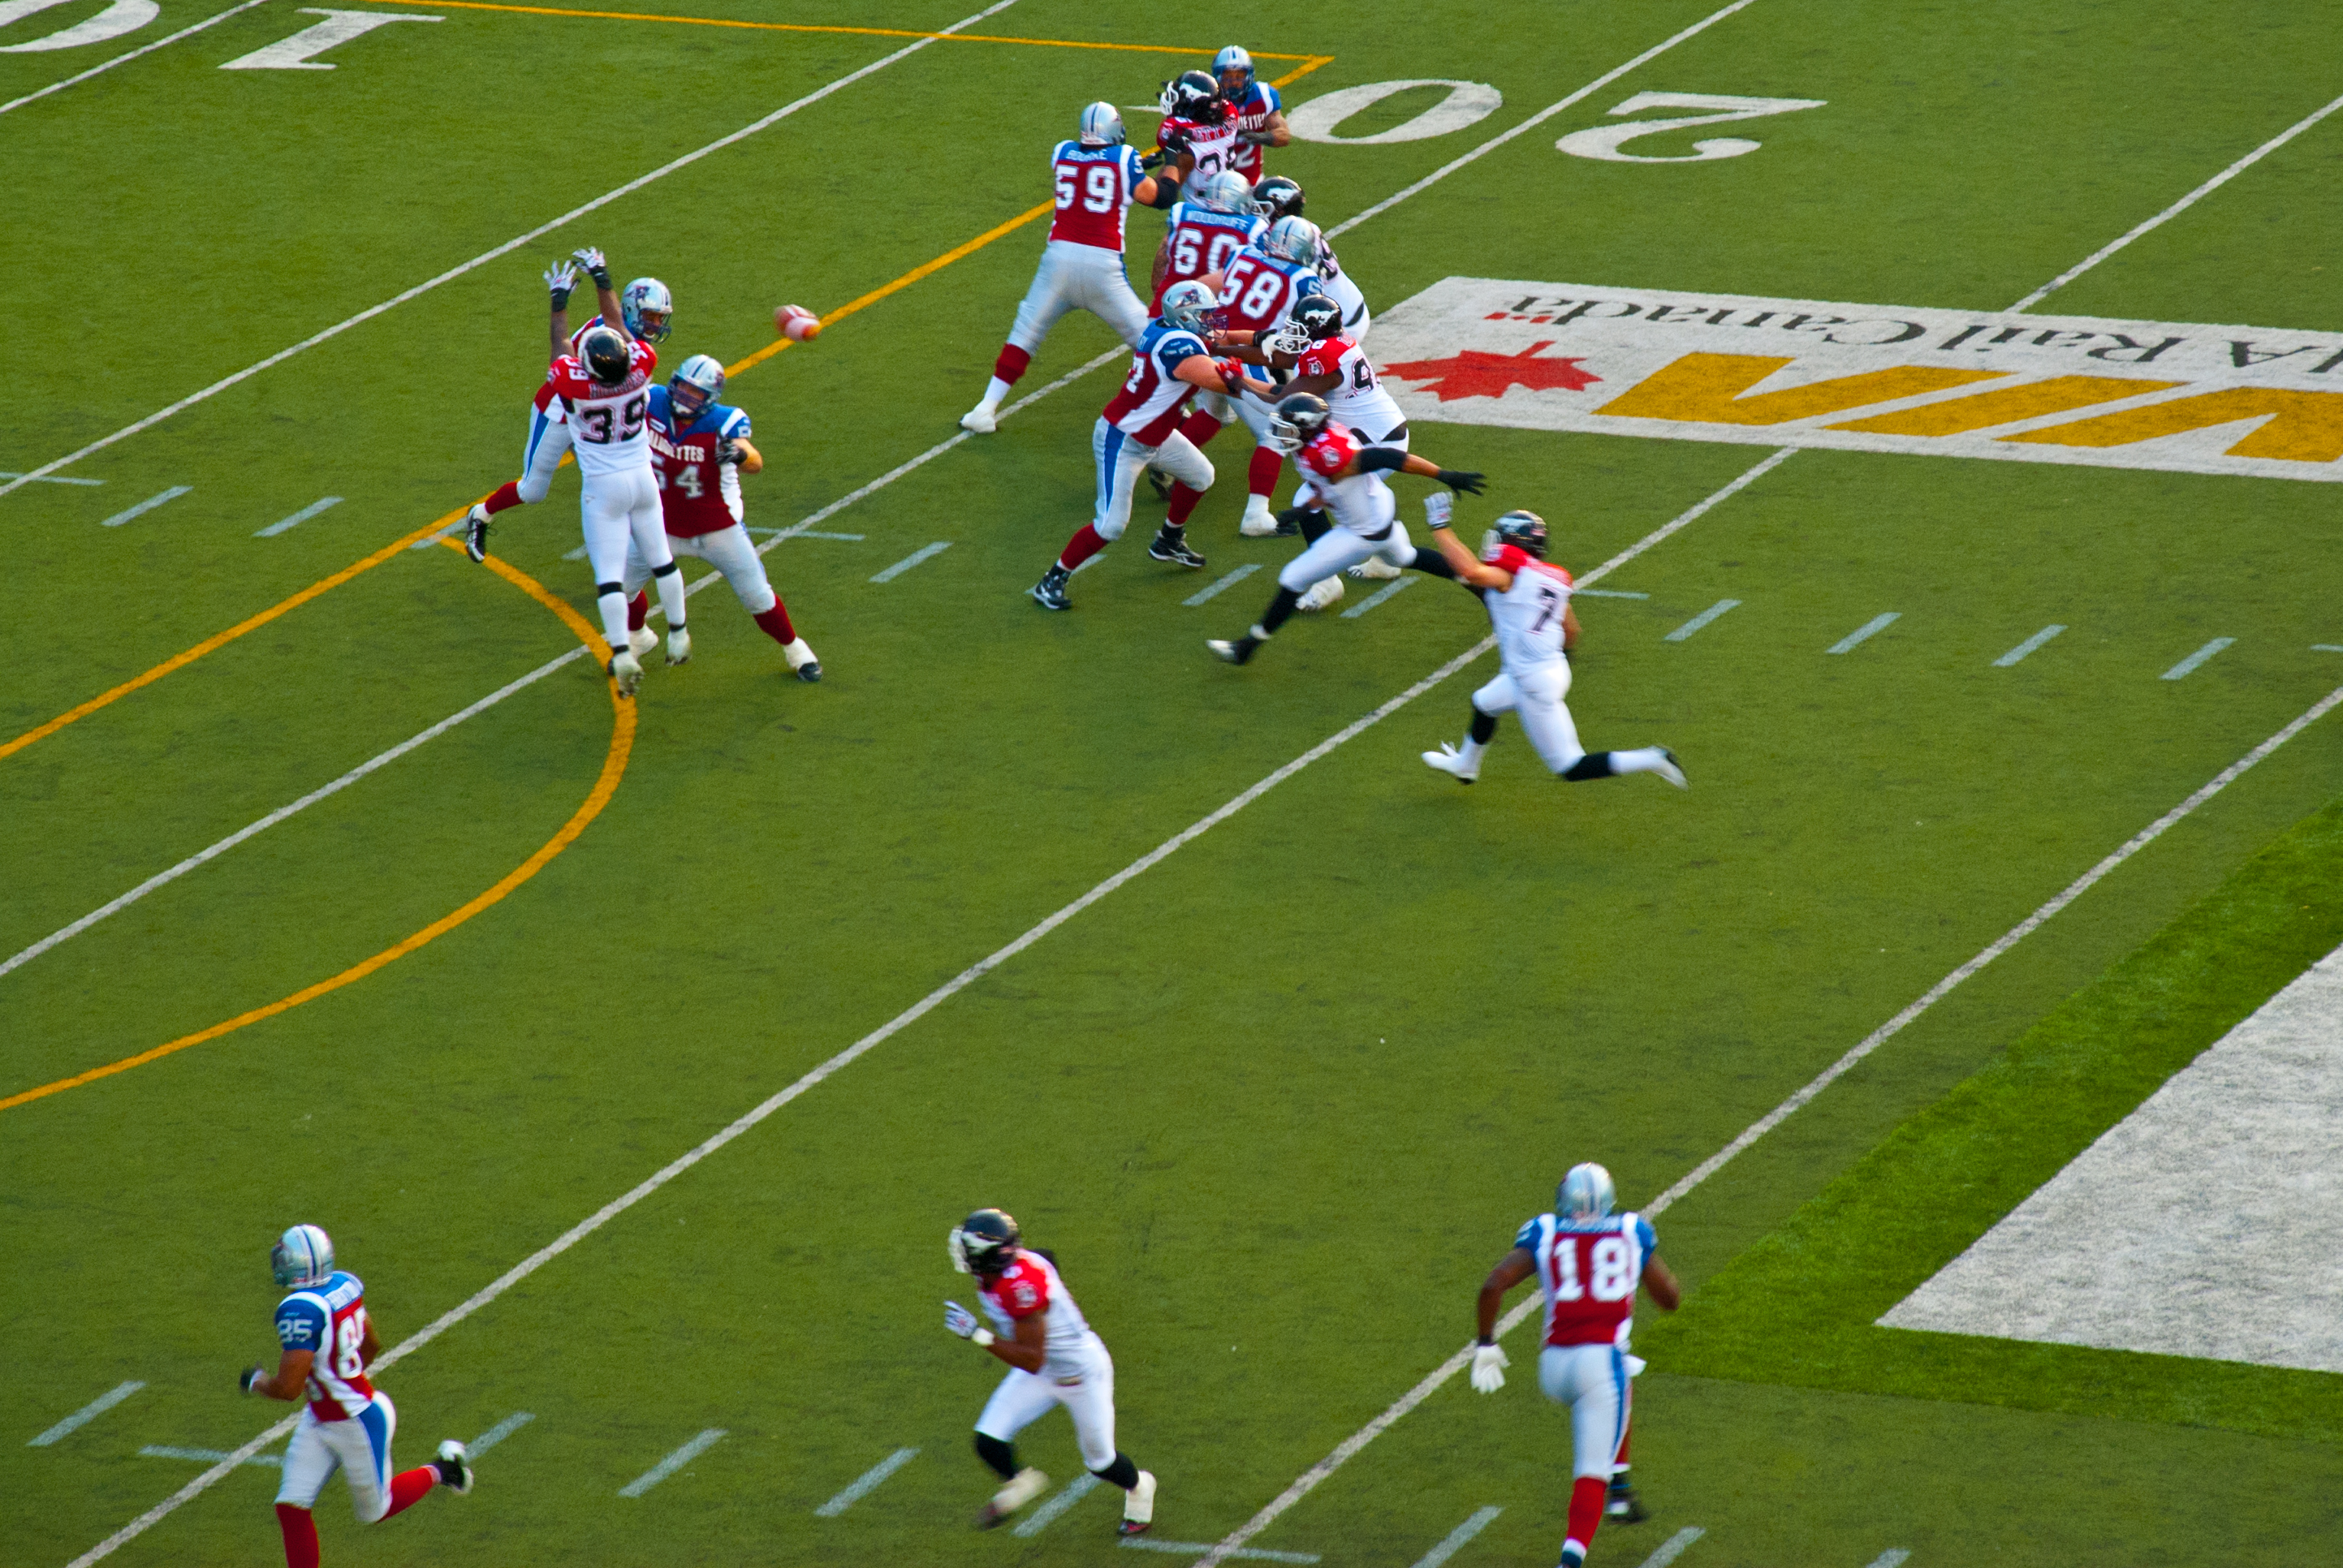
x: 614, y: 766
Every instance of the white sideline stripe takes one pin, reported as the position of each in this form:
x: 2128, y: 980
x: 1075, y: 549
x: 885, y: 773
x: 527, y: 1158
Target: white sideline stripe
x: 86, y: 1414
x: 2186, y: 666
x: 1540, y: 117
x: 203, y: 857
x: 925, y: 552
x: 1702, y: 620
x: 108, y: 65
x: 867, y: 1482
x: 1223, y: 586
x: 211, y: 1455
x: 1065, y: 1497
x: 514, y: 244
x: 499, y: 1433
x: 2177, y: 209
x: 673, y: 1463
x: 148, y: 505
x: 1894, y: 1557
x: 1674, y: 1546
x: 297, y: 518
x: 1372, y: 599
x: 1198, y: 1548
x: 60, y: 478
x: 1868, y: 629
x: 1457, y: 1538
x: 2028, y: 646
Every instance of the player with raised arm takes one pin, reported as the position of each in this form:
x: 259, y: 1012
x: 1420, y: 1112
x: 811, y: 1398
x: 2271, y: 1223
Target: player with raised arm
x: 1098, y: 176
x: 1366, y: 520
x: 1053, y: 1357
x: 1588, y: 1261
x: 326, y: 1342
x: 1139, y: 428
x: 1254, y: 109
x: 649, y: 310
x: 699, y: 449
x: 1197, y: 136
x: 1529, y: 605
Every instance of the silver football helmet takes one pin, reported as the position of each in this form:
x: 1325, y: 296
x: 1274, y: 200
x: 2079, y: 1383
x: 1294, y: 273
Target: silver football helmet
x: 1232, y: 59
x: 1586, y: 1193
x: 697, y: 382
x: 1226, y: 192
x: 1102, y: 125
x: 1189, y: 304
x: 644, y: 297
x: 1294, y: 240
x: 303, y: 1256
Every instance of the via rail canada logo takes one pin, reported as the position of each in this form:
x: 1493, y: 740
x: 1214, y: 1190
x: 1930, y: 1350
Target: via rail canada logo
x: 2176, y: 396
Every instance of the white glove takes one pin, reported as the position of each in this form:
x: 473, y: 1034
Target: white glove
x: 963, y: 1322
x: 1489, y: 1364
x: 561, y: 278
x: 1438, y: 508
x: 596, y: 268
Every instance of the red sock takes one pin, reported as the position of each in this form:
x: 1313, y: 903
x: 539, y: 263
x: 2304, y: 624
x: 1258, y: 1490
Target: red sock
x: 776, y: 622
x: 408, y: 1487
x: 1587, y: 1495
x: 1201, y: 428
x: 506, y: 495
x: 1260, y: 474
x: 638, y: 609
x: 1011, y: 363
x: 1085, y: 544
x: 300, y: 1529
x: 1183, y: 501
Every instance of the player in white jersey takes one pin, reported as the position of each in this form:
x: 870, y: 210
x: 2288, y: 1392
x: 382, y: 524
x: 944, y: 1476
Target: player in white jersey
x: 1327, y: 363
x: 1198, y: 135
x: 1588, y: 1261
x: 1054, y: 1358
x: 1529, y: 605
x: 1098, y: 178
x: 1278, y: 197
x: 326, y: 1343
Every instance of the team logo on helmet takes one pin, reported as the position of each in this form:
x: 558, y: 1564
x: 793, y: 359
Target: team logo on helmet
x: 647, y: 309
x: 1319, y: 315
x: 1278, y: 197
x: 1102, y: 125
x: 1293, y: 239
x: 1193, y: 95
x: 1188, y: 305
x: 1297, y: 419
x: 1225, y: 192
x: 303, y: 1256
x: 1585, y: 1193
x: 696, y: 383
x: 1233, y: 61
x: 603, y: 353
x: 984, y: 1243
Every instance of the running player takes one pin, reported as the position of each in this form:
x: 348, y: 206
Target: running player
x: 1588, y: 1260
x: 1139, y: 428
x: 1331, y: 366
x: 326, y: 1344
x: 1529, y: 604
x: 1054, y: 1358
x: 699, y: 449
x: 1197, y: 136
x: 1255, y: 109
x: 1098, y: 178
x: 649, y: 310
x: 1366, y: 522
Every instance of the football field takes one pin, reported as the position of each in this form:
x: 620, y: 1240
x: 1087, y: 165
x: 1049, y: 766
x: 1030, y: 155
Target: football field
x: 1945, y: 426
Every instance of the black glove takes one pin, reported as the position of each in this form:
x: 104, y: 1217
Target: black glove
x: 1463, y: 479
x: 248, y: 1376
x: 729, y: 452
x: 1155, y: 160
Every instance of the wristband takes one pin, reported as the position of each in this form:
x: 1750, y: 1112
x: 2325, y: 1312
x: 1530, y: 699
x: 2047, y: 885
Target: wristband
x: 560, y: 299
x: 982, y: 1338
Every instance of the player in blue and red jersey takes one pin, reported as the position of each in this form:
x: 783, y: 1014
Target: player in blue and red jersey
x: 1254, y: 109
x: 327, y: 1343
x: 1588, y: 1260
x: 699, y: 449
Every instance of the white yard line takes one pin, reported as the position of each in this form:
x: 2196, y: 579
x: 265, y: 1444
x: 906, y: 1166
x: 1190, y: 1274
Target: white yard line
x: 213, y: 1455
x: 297, y: 518
x: 1457, y: 1538
x: 1894, y: 1557
x: 1065, y: 1497
x: 924, y: 553
x: 1198, y: 1548
x: 673, y: 1463
x: 1702, y: 620
x: 1372, y: 599
x: 57, y: 478
x: 1607, y: 593
x: 141, y: 509
x: 2189, y: 666
x: 867, y: 1482
x: 123, y: 59
x: 2177, y: 209
x: 203, y: 857
x: 1213, y: 589
x: 1674, y: 1546
x: 86, y: 1414
x: 499, y: 1433
x: 282, y: 355
x: 1866, y: 632
x: 2028, y: 646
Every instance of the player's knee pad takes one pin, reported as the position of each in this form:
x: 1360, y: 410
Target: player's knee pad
x: 1002, y: 1456
x: 1110, y: 529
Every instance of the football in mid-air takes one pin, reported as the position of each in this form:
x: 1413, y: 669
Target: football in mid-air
x: 796, y: 323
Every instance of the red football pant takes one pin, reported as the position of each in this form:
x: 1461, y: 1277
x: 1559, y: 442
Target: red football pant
x: 506, y: 495
x: 1587, y: 1495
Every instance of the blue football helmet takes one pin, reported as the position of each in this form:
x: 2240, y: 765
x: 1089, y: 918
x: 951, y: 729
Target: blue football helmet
x: 1102, y: 125
x: 1189, y: 304
x: 1585, y: 1193
x: 648, y: 309
x: 303, y: 1256
x: 1232, y: 59
x: 1293, y: 239
x: 1225, y: 192
x: 697, y: 382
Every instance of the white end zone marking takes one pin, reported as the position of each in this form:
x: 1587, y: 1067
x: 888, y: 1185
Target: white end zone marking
x: 2028, y: 646
x: 866, y: 1484
x: 499, y: 1433
x: 1674, y: 1546
x: 1065, y: 1497
x: 1456, y: 1539
x: 1866, y: 632
x: 2188, y: 665
x: 338, y: 27
x: 673, y: 1463
x: 86, y: 1414
x: 1685, y: 632
x: 108, y: 65
x: 142, y: 507
x: 925, y: 552
x: 297, y: 518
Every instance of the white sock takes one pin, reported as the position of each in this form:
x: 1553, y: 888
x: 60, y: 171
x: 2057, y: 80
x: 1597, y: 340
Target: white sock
x: 614, y: 618
x: 1472, y: 751
x: 672, y: 602
x: 797, y: 653
x: 995, y: 390
x: 1643, y: 759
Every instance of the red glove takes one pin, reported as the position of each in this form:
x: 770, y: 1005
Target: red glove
x: 1231, y: 372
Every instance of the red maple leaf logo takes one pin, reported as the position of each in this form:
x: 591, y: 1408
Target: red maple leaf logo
x: 1473, y: 374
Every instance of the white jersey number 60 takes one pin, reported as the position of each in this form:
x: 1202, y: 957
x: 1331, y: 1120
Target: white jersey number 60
x: 1604, y: 142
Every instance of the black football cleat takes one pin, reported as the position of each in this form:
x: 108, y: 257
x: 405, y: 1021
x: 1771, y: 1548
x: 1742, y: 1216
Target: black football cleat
x: 1174, y: 547
x: 1239, y: 651
x: 1050, y: 593
x: 1624, y: 1506
x: 476, y: 533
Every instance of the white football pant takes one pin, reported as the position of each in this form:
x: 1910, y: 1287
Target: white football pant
x: 1593, y: 1381
x: 622, y: 513
x: 1311, y: 495
x: 548, y: 443
x: 1024, y: 1398
x: 1077, y: 277
x: 1535, y: 695
x: 728, y: 551
x: 1340, y: 548
x: 1121, y: 460
x: 360, y: 1447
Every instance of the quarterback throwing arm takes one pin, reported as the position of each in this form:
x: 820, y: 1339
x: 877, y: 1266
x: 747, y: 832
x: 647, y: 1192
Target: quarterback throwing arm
x: 1588, y: 1261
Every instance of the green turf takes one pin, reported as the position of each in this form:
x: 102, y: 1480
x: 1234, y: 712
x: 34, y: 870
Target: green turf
x: 1279, y: 1101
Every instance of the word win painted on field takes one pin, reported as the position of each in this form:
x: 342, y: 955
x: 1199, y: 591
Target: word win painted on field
x: 2254, y: 401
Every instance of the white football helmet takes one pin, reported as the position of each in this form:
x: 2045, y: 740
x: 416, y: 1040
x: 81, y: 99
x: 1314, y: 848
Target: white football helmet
x: 697, y: 382
x: 1293, y: 239
x: 1189, y: 304
x: 1233, y: 58
x: 1102, y: 125
x: 648, y: 294
x: 303, y: 1256
x: 1226, y: 192
x: 1585, y: 1193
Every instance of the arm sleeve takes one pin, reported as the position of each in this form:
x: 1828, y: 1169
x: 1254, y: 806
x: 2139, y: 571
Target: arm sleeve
x: 1177, y: 348
x: 301, y: 1324
x: 735, y: 426
x: 1644, y: 1236
x: 1374, y: 459
x: 1270, y: 101
x: 1527, y: 1238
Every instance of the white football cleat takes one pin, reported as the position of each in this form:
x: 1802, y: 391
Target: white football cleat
x: 1138, y: 1506
x: 1668, y: 769
x: 642, y: 640
x: 627, y: 670
x: 981, y: 420
x: 1323, y: 594
x: 1375, y: 567
x: 456, y: 1467
x: 1258, y: 521
x: 678, y: 646
x: 1448, y: 759
x: 1015, y: 1493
